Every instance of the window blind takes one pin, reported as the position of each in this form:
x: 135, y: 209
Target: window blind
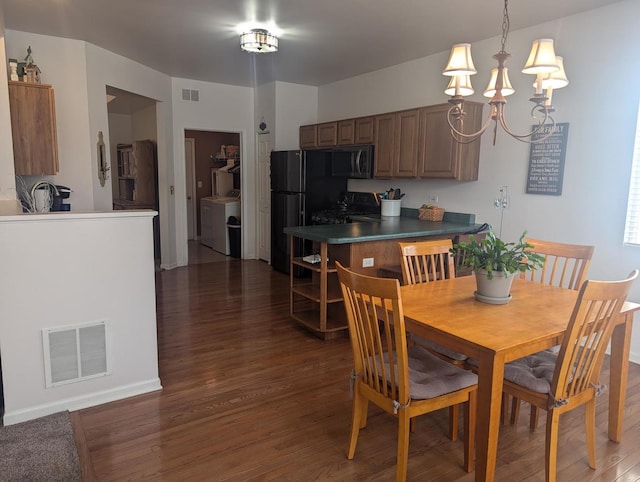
x: 632, y: 225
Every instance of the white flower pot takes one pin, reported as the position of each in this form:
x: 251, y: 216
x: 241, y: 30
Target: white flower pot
x: 496, y: 290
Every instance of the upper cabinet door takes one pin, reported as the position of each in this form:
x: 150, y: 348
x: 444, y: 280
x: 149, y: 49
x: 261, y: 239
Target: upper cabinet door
x: 33, y: 126
x: 440, y: 155
x: 346, y: 132
x: 407, y: 127
x: 309, y: 137
x: 384, y: 146
x: 365, y: 130
x: 328, y: 134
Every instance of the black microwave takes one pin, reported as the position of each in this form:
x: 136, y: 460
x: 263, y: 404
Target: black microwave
x: 355, y: 162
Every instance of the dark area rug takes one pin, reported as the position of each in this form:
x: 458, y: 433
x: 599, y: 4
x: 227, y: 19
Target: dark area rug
x: 39, y: 450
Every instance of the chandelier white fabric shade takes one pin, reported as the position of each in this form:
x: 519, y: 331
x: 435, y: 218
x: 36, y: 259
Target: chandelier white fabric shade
x: 460, y: 61
x: 542, y: 58
x: 555, y: 80
x: 506, y: 84
x: 259, y: 41
x: 463, y: 86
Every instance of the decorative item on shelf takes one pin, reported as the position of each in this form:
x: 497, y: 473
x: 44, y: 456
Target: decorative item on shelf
x: 31, y: 70
x: 262, y: 126
x: 13, y: 70
x: 430, y: 212
x: 32, y: 74
x: 232, y: 151
x: 542, y: 62
x: 495, y: 263
x: 259, y: 40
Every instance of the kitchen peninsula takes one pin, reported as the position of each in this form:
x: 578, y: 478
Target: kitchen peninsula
x: 315, y: 300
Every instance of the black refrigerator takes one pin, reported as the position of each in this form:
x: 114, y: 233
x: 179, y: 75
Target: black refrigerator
x: 301, y: 184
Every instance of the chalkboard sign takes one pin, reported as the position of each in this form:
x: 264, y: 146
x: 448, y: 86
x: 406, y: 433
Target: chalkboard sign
x: 546, y: 161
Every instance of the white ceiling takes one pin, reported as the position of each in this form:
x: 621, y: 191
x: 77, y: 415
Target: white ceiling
x: 322, y: 41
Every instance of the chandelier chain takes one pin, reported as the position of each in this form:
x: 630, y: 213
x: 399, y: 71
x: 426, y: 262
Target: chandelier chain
x: 505, y: 25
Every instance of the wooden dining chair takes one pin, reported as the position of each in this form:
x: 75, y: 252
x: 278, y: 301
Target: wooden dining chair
x: 422, y: 262
x: 565, y: 265
x: 566, y: 380
x: 403, y: 380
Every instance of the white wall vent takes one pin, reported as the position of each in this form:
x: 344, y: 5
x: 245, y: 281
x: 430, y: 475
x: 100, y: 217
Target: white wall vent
x: 75, y: 353
x: 192, y: 95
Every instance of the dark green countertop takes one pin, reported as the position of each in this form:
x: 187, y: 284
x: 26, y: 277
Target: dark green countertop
x: 397, y: 227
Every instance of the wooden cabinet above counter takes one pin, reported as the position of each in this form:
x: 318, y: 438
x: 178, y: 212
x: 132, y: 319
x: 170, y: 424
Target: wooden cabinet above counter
x: 412, y: 143
x: 33, y: 128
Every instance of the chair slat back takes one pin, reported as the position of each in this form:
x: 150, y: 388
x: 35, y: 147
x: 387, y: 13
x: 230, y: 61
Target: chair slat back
x: 426, y: 261
x: 587, y: 337
x: 565, y: 265
x: 378, y: 336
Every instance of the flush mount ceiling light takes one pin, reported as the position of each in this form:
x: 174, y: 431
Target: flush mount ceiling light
x: 258, y: 40
x: 542, y: 62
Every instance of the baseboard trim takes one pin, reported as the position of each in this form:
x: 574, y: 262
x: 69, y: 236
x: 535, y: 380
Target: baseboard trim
x: 78, y: 403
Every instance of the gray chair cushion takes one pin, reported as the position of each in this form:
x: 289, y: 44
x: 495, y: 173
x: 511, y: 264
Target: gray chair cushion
x: 534, y: 372
x: 430, y: 377
x: 429, y: 345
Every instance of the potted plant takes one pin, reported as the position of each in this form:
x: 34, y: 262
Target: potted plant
x: 495, y: 263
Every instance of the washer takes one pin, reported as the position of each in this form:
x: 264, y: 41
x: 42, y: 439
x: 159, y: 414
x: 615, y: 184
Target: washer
x: 214, y: 213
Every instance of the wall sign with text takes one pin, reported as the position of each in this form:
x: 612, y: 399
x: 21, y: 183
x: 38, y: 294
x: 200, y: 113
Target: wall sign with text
x: 546, y: 161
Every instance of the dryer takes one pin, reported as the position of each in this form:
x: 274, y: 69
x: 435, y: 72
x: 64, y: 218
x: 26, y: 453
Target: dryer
x: 214, y: 213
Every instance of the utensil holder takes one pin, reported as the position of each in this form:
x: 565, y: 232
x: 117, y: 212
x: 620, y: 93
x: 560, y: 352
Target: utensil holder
x: 391, y: 207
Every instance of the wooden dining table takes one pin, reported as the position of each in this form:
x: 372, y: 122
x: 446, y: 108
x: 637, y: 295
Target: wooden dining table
x: 534, y: 319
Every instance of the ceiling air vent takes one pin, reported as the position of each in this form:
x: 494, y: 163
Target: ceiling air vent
x: 190, y: 95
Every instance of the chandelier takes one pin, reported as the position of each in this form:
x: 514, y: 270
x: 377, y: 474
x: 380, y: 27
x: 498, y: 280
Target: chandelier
x: 542, y: 62
x: 258, y: 40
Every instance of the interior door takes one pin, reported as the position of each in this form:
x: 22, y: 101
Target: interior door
x: 264, y: 197
x: 189, y: 159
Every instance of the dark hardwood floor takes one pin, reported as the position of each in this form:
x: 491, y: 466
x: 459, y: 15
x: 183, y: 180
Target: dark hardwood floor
x: 250, y: 396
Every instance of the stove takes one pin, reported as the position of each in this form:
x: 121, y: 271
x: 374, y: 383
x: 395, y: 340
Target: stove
x: 353, y: 204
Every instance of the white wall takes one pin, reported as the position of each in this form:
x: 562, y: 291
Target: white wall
x: 295, y: 105
x: 224, y: 108
x: 144, y: 124
x: 82, y: 268
x: 596, y: 46
x: 63, y: 66
x: 106, y: 68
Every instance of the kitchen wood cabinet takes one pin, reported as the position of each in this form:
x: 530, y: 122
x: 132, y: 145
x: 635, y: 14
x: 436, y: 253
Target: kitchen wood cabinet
x: 413, y: 143
x: 33, y: 126
x: 346, y: 132
x: 407, y: 127
x: 328, y: 134
x: 364, y: 130
x: 439, y: 154
x: 396, y: 144
x: 137, y: 174
x: 356, y: 131
x: 309, y: 137
x: 384, y: 146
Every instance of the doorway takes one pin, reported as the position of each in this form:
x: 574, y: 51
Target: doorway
x: 212, y: 169
x: 132, y: 142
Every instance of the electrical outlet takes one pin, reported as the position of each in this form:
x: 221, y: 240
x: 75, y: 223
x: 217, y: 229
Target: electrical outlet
x: 200, y: 184
x: 367, y: 262
x: 433, y: 199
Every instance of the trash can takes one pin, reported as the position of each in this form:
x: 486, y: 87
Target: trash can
x: 235, y: 238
